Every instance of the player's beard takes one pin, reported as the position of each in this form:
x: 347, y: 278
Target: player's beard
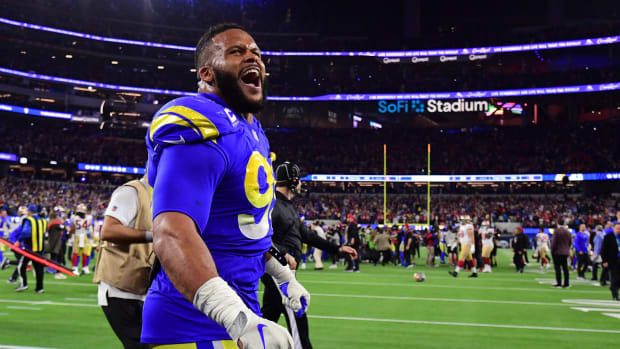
x: 228, y: 83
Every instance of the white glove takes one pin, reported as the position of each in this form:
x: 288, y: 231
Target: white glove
x: 473, y: 249
x: 222, y: 304
x: 294, y: 295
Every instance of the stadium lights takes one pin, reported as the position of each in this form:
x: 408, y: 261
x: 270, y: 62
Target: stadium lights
x: 161, y: 67
x: 136, y: 115
x: 475, y: 179
x: 46, y: 100
x: 34, y: 112
x: 114, y: 62
x: 419, y: 53
x: 347, y: 97
x: 85, y: 89
x: 132, y: 94
x: 23, y: 160
x: 8, y: 157
x: 68, y: 56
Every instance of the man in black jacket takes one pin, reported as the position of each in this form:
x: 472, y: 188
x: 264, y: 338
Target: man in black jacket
x: 289, y: 233
x: 610, y: 254
x: 519, y: 244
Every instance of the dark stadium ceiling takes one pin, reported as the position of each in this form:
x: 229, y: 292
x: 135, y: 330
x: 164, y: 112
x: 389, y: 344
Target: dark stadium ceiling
x: 380, y: 25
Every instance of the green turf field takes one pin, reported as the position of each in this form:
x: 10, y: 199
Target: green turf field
x: 381, y: 307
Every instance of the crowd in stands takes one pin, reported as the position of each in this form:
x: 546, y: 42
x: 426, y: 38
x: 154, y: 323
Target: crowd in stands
x: 354, y: 151
x: 71, y: 144
x: 519, y: 150
x: 52, y: 195
x: 530, y: 210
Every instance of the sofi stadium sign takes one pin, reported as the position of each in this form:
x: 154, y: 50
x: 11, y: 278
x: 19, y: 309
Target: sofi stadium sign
x: 432, y: 106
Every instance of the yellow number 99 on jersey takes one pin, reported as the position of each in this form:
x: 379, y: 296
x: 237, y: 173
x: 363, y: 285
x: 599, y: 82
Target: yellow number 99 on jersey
x: 259, y: 190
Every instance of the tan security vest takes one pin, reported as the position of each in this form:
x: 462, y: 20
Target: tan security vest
x: 128, y: 266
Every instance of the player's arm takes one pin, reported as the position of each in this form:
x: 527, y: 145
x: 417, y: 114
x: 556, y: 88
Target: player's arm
x: 182, y: 194
x: 187, y: 176
x: 313, y: 239
x: 294, y: 295
x: 122, y: 209
x: 114, y: 231
x: 182, y: 252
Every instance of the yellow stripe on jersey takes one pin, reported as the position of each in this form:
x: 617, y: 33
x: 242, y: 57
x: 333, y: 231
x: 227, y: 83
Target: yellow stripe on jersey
x: 199, y: 121
x: 175, y: 346
x: 229, y: 344
x: 225, y: 344
x: 168, y: 119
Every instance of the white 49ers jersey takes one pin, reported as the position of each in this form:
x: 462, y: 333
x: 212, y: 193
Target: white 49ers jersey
x: 487, y: 236
x: 83, y: 226
x: 463, y: 234
x: 542, y: 239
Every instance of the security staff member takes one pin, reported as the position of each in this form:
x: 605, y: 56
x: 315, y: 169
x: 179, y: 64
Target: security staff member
x: 610, y: 254
x: 124, y: 264
x: 31, y: 237
x: 288, y: 235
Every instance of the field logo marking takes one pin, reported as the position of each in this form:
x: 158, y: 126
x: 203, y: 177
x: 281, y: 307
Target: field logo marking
x: 612, y: 307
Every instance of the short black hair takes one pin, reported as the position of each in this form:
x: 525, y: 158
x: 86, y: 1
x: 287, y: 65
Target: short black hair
x: 205, y: 40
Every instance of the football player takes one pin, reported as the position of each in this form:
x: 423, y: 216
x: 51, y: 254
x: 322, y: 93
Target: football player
x: 487, y: 234
x: 213, y: 186
x: 81, y: 230
x: 466, y: 239
x: 542, y: 246
x: 453, y: 247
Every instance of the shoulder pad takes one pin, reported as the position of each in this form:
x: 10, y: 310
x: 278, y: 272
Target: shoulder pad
x: 191, y: 119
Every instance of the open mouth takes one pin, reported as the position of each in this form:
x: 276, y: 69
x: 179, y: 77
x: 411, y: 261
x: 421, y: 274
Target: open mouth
x: 251, y: 77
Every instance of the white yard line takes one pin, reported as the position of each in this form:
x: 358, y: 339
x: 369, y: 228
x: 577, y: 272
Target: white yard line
x: 19, y: 301
x: 592, y: 302
x: 481, y: 277
x: 71, y: 283
x: 412, y: 284
x: 572, y: 281
x: 80, y: 299
x: 4, y: 346
x: 436, y: 299
x: 21, y: 308
x: 465, y: 324
x: 617, y: 316
x: 586, y: 310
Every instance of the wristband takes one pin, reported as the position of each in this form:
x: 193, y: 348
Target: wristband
x: 223, y: 305
x: 280, y: 273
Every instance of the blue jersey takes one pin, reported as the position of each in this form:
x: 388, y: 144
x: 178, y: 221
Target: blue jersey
x: 211, y: 164
x: 4, y: 226
x: 581, y: 242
